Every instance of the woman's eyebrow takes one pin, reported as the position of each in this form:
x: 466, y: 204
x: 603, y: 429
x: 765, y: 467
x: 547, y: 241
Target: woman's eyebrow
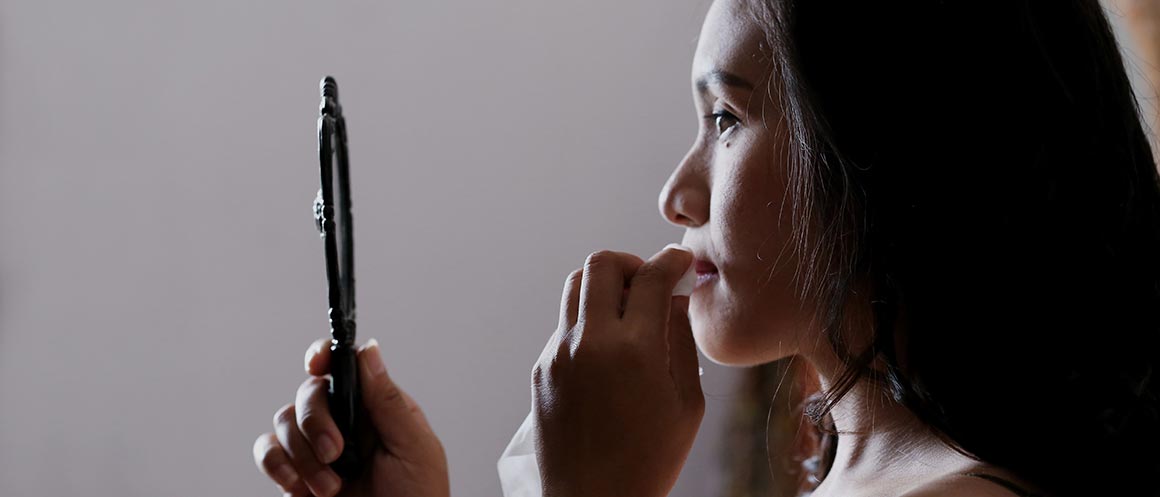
x: 721, y: 76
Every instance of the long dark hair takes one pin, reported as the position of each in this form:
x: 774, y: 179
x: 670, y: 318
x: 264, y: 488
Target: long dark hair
x: 976, y: 173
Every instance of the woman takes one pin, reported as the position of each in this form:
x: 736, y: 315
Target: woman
x: 947, y: 208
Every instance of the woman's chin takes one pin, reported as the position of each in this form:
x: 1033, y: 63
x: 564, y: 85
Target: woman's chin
x: 735, y: 346
x: 736, y: 342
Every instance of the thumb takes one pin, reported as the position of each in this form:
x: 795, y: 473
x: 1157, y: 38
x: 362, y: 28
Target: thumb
x: 683, y: 362
x: 394, y: 415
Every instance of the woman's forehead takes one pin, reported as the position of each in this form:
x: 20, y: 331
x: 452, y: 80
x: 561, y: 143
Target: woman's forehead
x: 730, y: 41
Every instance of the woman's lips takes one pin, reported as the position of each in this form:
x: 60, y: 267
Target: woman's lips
x: 706, y: 272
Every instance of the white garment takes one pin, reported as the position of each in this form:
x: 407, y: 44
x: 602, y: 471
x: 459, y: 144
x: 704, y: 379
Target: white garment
x: 519, y: 473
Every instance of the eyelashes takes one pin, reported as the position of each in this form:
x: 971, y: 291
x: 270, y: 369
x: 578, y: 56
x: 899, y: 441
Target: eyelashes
x: 723, y: 122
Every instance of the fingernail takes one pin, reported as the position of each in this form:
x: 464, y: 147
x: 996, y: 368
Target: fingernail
x: 324, y: 483
x: 286, y: 476
x: 679, y: 247
x: 327, y: 449
x: 314, y: 349
x: 374, y: 359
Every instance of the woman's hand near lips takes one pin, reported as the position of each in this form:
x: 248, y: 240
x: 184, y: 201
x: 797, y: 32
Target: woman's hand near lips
x: 408, y: 459
x: 617, y: 390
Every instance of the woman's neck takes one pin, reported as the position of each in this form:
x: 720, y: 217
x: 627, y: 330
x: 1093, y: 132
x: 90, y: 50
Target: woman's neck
x: 883, y: 448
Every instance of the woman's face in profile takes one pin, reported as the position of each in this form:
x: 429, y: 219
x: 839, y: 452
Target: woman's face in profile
x: 729, y: 192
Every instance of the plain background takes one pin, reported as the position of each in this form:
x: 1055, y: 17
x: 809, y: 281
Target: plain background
x: 160, y: 275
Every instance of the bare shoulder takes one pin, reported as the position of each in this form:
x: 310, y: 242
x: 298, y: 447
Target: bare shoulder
x: 960, y: 485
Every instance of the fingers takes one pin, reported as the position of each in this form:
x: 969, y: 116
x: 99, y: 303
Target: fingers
x: 312, y: 413
x: 570, y: 300
x: 397, y: 419
x: 569, y: 313
x: 275, y: 464
x: 653, y: 283
x: 318, y: 357
x: 602, y: 287
x: 684, y: 364
x: 320, y: 479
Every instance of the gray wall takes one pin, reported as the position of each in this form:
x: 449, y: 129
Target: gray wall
x: 160, y: 276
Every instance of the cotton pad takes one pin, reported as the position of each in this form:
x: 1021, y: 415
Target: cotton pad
x: 688, y: 281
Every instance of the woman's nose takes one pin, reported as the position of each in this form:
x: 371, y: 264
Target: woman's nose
x: 684, y: 200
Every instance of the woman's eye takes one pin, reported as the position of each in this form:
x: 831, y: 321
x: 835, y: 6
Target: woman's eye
x: 725, y: 121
